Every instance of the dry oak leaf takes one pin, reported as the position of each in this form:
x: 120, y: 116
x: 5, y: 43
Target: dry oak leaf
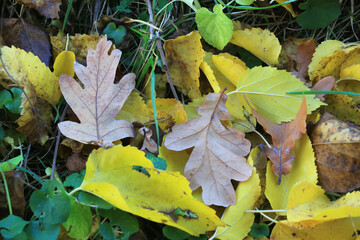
x: 98, y: 103
x: 284, y: 136
x: 218, y: 152
x: 47, y: 8
x: 336, y: 145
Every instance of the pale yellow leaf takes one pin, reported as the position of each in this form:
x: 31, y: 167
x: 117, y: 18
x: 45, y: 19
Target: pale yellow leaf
x: 64, y: 64
x: 303, y: 168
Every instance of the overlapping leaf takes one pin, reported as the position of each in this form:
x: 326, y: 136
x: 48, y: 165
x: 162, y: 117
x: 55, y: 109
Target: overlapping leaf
x: 217, y: 156
x: 98, y: 103
x: 124, y: 177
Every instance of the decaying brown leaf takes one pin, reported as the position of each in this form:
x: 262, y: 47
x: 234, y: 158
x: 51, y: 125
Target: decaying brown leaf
x: 218, y: 152
x: 284, y: 136
x: 47, y: 8
x: 336, y: 144
x: 303, y: 57
x: 148, y: 144
x: 97, y: 104
x: 324, y: 84
x: 29, y: 37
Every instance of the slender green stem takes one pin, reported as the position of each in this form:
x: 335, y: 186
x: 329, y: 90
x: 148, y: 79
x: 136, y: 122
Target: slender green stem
x: 153, y: 98
x: 255, y: 8
x: 324, y: 92
x: 267, y: 211
x: 7, y: 191
x: 31, y: 173
x: 67, y: 15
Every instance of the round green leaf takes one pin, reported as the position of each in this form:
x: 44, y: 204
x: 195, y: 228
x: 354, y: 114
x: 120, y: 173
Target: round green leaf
x: 14, y: 104
x: 158, y: 162
x: 106, y: 231
x: 11, y: 163
x: 5, y: 97
x: 259, y: 230
x: 244, y: 2
x: 318, y: 13
x: 117, y: 34
x: 216, y: 28
x: 91, y: 199
x: 80, y: 220
x: 42, y: 231
x: 12, y: 226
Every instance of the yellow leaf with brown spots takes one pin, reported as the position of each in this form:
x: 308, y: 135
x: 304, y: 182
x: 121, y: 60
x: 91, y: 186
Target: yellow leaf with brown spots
x: 124, y: 177
x: 260, y: 42
x: 184, y: 56
x: 336, y: 145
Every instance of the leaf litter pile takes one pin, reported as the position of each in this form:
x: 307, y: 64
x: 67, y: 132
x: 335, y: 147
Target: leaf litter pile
x: 220, y: 130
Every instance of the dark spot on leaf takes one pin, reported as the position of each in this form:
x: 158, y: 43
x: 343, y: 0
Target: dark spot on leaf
x: 142, y: 170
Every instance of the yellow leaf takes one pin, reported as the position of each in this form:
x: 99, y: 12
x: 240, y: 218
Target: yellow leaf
x: 344, y: 228
x: 237, y: 106
x: 124, y: 177
x: 210, y: 76
x: 172, y: 107
x: 350, y: 84
x: 190, y: 108
x: 260, y: 42
x: 64, y: 64
x: 184, y: 56
x: 27, y: 70
x: 344, y: 108
x: 328, y: 52
x: 175, y: 160
x: 352, y: 71
x: 79, y: 44
x: 308, y: 201
x: 230, y: 66
x: 247, y: 194
x: 353, y: 60
x: 288, y: 7
x: 303, y: 168
x: 135, y: 109
x: 266, y: 88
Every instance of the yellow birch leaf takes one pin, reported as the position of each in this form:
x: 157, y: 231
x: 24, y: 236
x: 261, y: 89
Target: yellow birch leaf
x: 303, y: 168
x: 64, y: 64
x: 230, y: 66
x: 266, y: 88
x: 288, y: 7
x: 247, y: 194
x: 344, y: 228
x: 260, y: 42
x: 184, y: 56
x: 28, y: 69
x: 328, y: 52
x: 307, y: 201
x: 237, y: 106
x: 351, y: 60
x: 352, y: 71
x: 124, y: 177
x: 351, y: 84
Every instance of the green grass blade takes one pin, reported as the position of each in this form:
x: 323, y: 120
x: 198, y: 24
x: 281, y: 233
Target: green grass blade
x: 154, y: 106
x: 255, y: 8
x: 325, y: 92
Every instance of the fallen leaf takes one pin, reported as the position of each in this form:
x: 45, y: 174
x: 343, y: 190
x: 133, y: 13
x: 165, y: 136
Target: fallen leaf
x: 283, y: 136
x: 64, y: 64
x: 218, y: 154
x: 351, y: 84
x: 39, y: 85
x: 15, y: 181
x: 336, y: 145
x: 324, y: 84
x: 260, y: 42
x: 76, y: 162
x: 123, y: 176
x: 288, y: 7
x: 176, y: 160
x: 303, y: 57
x: 216, y: 28
x: 308, y: 201
x: 148, y: 144
x: 247, y: 194
x: 344, y: 107
x: 79, y: 44
x: 327, y: 60
x: 184, y: 56
x: 135, y: 109
x: 350, y: 65
x: 303, y: 168
x: 98, y: 103
x: 316, y: 230
x: 29, y: 37
x: 266, y: 88
x: 47, y: 8
x: 172, y: 107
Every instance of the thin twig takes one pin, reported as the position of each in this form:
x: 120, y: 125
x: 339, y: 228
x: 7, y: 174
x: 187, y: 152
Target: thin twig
x: 53, y: 166
x: 159, y: 47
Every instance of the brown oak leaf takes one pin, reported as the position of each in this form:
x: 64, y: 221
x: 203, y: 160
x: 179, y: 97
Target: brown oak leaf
x: 47, y: 8
x: 98, y: 103
x: 218, y: 152
x: 284, y: 136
